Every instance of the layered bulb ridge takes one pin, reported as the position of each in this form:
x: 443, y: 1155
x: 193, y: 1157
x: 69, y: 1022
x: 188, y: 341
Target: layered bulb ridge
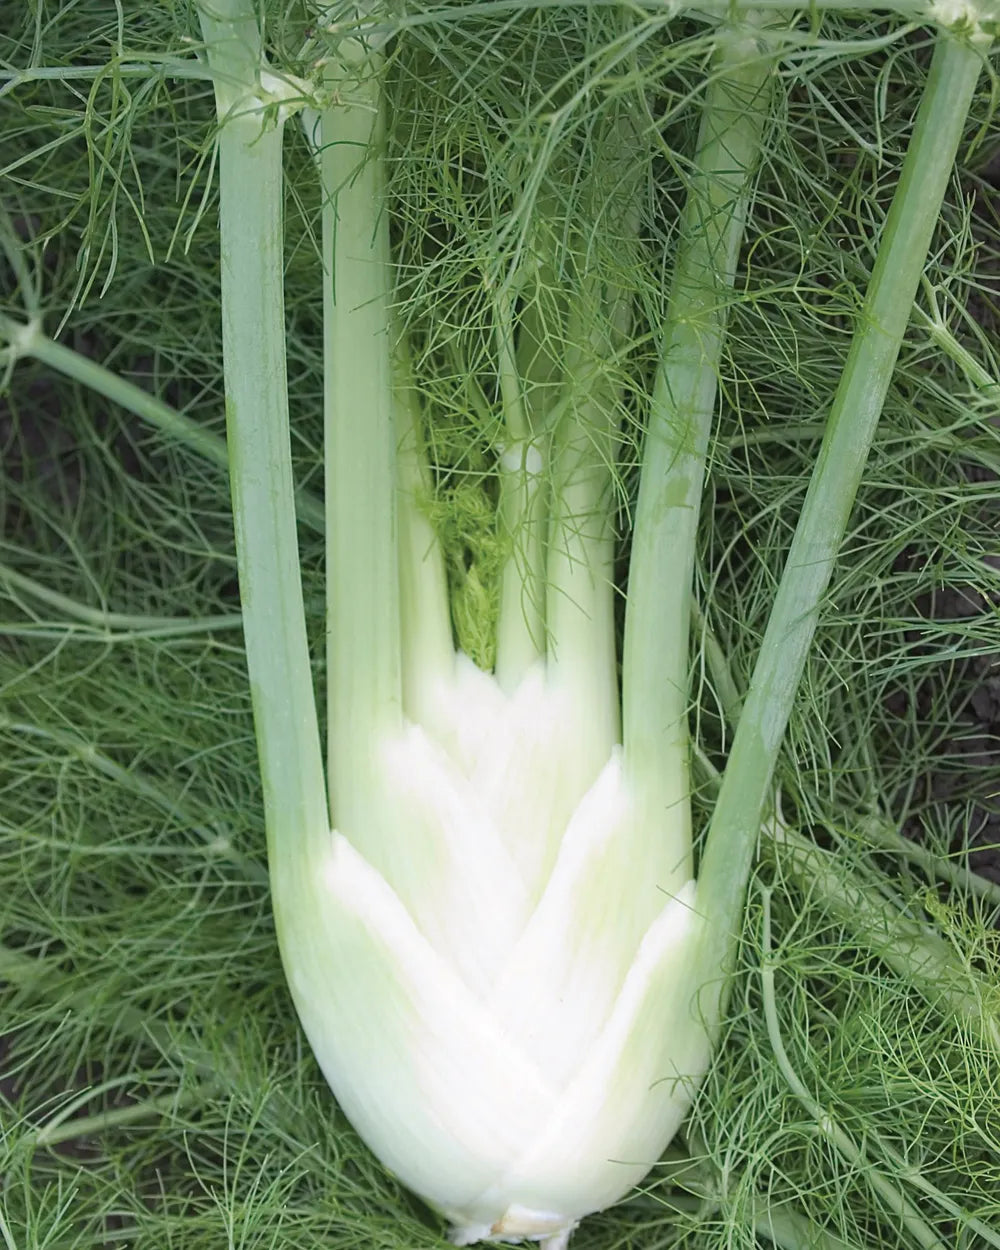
x: 494, y: 968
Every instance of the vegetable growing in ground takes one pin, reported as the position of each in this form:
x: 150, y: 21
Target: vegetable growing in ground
x: 499, y: 954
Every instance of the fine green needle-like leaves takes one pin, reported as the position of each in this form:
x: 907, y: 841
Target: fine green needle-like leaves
x: 601, y: 219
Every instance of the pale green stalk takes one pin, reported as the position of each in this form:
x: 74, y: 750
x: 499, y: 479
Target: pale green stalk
x: 521, y: 626
x: 428, y: 649
x: 942, y: 337
x: 364, y: 679
x: 902, y: 253
x: 526, y: 487
x: 131, y: 780
x: 580, y: 590
x: 655, y: 654
x: 540, y: 339
x: 524, y: 493
x: 711, y: 10
x: 65, y: 1127
x: 556, y: 474
x: 27, y: 339
x: 791, y: 1231
x: 250, y: 221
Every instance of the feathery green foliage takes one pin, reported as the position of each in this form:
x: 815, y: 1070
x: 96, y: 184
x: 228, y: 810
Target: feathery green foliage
x: 156, y: 1090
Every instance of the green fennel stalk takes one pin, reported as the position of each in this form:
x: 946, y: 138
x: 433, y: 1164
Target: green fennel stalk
x: 850, y: 428
x: 250, y: 142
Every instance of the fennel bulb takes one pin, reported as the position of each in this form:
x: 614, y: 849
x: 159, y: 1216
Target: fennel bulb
x: 493, y: 972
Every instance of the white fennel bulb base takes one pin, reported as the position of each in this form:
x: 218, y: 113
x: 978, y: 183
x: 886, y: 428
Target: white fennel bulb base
x: 503, y: 1010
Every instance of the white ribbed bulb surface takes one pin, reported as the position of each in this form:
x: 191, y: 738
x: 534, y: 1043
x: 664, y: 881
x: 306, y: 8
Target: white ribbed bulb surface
x: 491, y: 961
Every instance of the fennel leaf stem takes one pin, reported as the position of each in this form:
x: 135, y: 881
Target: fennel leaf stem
x: 251, y: 191
x: 655, y: 649
x: 857, y: 406
x: 363, y: 613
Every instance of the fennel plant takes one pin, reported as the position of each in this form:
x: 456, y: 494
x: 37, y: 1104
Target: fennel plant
x: 519, y: 330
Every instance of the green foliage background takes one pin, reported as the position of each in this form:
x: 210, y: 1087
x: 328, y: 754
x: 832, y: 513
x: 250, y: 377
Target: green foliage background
x: 155, y: 1089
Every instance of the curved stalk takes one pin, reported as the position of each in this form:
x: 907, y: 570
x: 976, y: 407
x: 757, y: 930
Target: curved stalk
x: 523, y: 496
x: 251, y: 194
x: 655, y: 657
x: 746, y: 786
x: 363, y: 625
